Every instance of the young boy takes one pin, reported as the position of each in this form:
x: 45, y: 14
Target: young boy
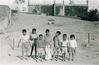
x: 41, y: 46
x: 48, y: 41
x: 72, y: 47
x: 33, y: 39
x: 56, y: 41
x: 24, y: 40
x: 64, y: 46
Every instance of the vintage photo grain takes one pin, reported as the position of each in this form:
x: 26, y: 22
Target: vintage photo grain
x: 49, y: 32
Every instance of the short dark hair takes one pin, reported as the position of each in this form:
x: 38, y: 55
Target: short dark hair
x: 72, y: 36
x: 64, y: 35
x: 24, y: 30
x: 47, y: 30
x: 34, y: 29
x: 40, y: 35
x: 58, y: 32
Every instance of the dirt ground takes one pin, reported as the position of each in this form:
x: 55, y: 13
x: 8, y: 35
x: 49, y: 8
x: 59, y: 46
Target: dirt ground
x: 85, y: 55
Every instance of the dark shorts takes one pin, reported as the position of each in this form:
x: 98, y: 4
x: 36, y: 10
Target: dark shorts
x: 71, y: 50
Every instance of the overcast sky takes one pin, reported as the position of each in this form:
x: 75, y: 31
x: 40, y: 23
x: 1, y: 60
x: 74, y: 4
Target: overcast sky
x: 92, y: 3
x: 44, y: 1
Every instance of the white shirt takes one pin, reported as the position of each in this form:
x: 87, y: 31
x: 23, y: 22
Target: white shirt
x: 65, y: 43
x: 25, y: 38
x: 34, y: 36
x: 72, y: 43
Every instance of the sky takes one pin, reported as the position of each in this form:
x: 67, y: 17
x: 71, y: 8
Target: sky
x: 9, y: 2
x: 92, y: 3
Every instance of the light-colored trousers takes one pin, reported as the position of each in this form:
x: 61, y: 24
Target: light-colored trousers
x: 48, y: 54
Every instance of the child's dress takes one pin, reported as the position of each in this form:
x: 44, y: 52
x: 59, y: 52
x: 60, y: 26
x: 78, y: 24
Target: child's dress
x: 47, y: 41
x: 33, y: 38
x: 25, y: 43
x: 72, y: 45
x: 64, y: 46
x: 41, y: 46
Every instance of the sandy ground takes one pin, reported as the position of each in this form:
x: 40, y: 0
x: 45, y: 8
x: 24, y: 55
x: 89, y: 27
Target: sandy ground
x: 85, y: 55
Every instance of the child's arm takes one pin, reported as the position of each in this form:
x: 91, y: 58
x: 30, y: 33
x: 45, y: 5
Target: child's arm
x: 51, y: 41
x: 68, y: 46
x: 75, y: 46
x: 30, y: 37
x: 59, y: 42
x: 19, y: 43
x: 29, y: 43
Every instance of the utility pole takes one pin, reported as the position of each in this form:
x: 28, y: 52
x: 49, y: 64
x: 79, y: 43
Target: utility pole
x: 54, y: 8
x: 28, y: 2
x: 63, y: 8
x: 87, y: 2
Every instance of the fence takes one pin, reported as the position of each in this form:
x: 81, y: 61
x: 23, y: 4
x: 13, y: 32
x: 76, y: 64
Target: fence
x: 87, y: 39
x: 83, y: 39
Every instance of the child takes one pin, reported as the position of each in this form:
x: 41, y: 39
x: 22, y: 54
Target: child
x: 41, y: 46
x: 34, y: 38
x: 24, y: 40
x: 72, y: 47
x: 48, y: 41
x: 64, y: 46
x: 56, y: 44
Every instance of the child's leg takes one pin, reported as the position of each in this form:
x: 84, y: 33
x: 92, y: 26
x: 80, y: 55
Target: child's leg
x: 35, y: 50
x: 22, y: 50
x: 73, y: 53
x: 41, y: 55
x: 69, y: 53
x: 63, y: 54
x: 43, y: 52
x: 66, y: 54
x: 54, y: 53
x: 72, y: 56
x: 39, y: 52
x: 26, y: 52
x: 27, y: 49
x: 32, y: 49
x: 57, y: 53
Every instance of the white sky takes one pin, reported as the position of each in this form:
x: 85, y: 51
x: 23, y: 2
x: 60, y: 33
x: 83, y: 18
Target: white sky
x: 57, y: 1
x: 92, y: 3
x: 44, y: 1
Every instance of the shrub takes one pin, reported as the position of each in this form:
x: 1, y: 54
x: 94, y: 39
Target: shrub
x: 49, y: 9
x: 93, y: 15
x: 34, y: 11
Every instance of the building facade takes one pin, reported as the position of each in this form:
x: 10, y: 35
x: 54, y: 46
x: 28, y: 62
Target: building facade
x: 22, y: 5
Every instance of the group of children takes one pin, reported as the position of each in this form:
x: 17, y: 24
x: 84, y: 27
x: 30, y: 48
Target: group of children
x: 48, y: 47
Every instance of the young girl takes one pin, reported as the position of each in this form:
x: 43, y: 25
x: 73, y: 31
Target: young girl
x: 64, y: 46
x: 48, y: 41
x: 24, y: 40
x: 72, y: 47
x: 56, y: 45
x: 33, y: 39
x: 41, y: 46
